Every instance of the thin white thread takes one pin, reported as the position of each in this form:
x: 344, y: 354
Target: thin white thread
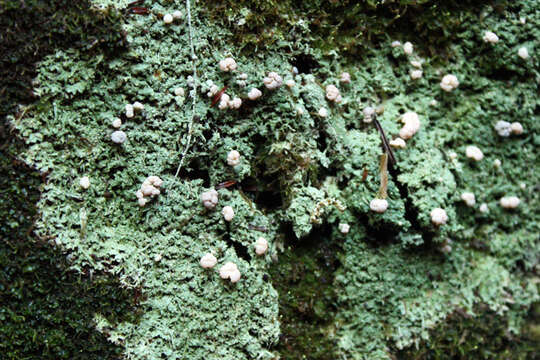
x: 194, y: 94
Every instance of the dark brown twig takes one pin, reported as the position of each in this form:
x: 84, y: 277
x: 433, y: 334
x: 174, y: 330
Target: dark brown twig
x: 386, y: 145
x: 217, y: 97
x: 225, y: 184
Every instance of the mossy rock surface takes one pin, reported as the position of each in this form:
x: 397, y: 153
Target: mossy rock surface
x: 388, y: 284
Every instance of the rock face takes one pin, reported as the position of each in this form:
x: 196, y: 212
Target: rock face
x: 300, y: 174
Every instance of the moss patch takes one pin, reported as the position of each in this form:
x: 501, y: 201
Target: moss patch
x: 482, y: 337
x: 47, y: 311
x: 303, y: 277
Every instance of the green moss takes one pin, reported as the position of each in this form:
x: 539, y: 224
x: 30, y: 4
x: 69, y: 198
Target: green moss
x: 481, y: 337
x: 303, y: 277
x: 47, y: 310
x: 35, y: 28
x: 327, y: 25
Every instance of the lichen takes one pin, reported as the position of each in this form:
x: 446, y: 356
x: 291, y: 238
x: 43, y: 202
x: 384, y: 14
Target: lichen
x: 298, y: 170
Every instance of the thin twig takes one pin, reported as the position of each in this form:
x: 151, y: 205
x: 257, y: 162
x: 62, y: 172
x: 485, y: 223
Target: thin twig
x: 383, y: 169
x: 386, y: 145
x: 194, y: 93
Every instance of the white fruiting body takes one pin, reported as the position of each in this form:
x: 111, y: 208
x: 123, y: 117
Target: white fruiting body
x: 261, y: 246
x: 438, y: 216
x: 254, y: 94
x: 290, y: 83
x: 398, y: 143
x: 395, y: 43
x: 180, y: 91
x: 208, y: 261
x: 368, y: 113
x: 209, y: 199
x: 332, y: 93
x: 449, y: 82
x: 224, y: 101
x: 497, y: 163
x: 509, y: 202
x: 484, y: 208
x: 228, y: 213
x: 177, y: 15
x: 118, y: 137
x: 230, y: 271
x: 235, y: 276
x: 446, y: 249
x: 212, y: 90
x: 235, y: 103
x: 233, y: 158
x: 272, y: 81
x: 323, y: 112
x: 408, y: 48
x: 516, y: 128
x: 137, y: 106
x: 412, y: 125
x: 523, y: 53
x: 468, y: 198
x: 345, y: 78
x: 167, y: 18
x: 416, y: 74
x: 141, y: 199
x: 378, y: 205
x: 116, y: 123
x: 473, y: 152
x: 344, y: 228
x: 416, y: 64
x: 129, y: 111
x: 452, y: 155
x: 149, y: 189
x: 84, y: 182
x: 490, y: 37
x: 154, y: 180
x: 503, y: 128
x: 227, y: 64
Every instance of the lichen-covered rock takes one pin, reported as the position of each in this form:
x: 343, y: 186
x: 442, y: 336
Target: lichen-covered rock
x: 400, y: 274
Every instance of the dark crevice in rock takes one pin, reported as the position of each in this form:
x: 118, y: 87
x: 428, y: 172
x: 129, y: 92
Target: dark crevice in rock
x: 266, y: 198
x: 241, y: 250
x: 505, y: 75
x: 411, y: 212
x: 305, y: 63
x: 193, y: 172
x: 381, y: 235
